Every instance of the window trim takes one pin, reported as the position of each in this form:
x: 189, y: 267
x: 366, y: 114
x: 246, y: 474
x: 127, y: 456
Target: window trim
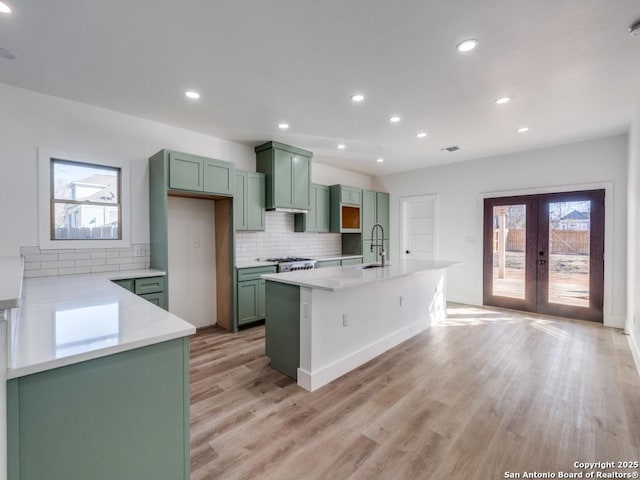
x: 46, y: 201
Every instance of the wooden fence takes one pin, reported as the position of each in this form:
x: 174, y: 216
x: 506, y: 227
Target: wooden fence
x: 564, y: 242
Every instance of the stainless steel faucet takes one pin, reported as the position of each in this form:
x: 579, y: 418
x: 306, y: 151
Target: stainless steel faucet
x: 383, y: 262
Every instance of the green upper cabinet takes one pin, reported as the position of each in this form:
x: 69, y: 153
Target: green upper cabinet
x: 382, y: 212
x: 200, y: 174
x: 248, y: 201
x: 317, y: 219
x: 240, y: 221
x: 351, y: 195
x: 375, y: 209
x: 368, y: 212
x: 288, y: 175
x: 345, y: 208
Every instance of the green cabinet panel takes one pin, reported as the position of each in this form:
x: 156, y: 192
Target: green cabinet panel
x: 127, y: 284
x: 350, y: 195
x: 317, y: 218
x: 369, y: 200
x: 153, y: 289
x: 248, y: 301
x: 123, y: 416
x: 282, y: 327
x: 251, y: 293
x: 345, y: 217
x: 240, y: 208
x: 150, y: 285
x: 159, y: 299
x: 255, y: 201
x: 185, y: 171
x: 288, y: 175
x: 328, y: 263
x: 200, y: 174
x: 351, y: 261
x: 382, y: 212
x: 219, y: 176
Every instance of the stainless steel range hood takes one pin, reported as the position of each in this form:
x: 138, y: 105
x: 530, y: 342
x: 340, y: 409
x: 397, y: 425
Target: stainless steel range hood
x: 287, y: 210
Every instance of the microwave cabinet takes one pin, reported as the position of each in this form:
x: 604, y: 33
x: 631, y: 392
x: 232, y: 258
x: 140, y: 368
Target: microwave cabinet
x: 346, y: 209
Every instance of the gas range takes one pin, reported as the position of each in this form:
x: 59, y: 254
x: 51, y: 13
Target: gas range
x: 290, y: 264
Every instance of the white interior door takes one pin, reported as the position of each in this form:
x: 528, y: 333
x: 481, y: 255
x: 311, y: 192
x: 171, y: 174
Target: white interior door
x: 419, y: 216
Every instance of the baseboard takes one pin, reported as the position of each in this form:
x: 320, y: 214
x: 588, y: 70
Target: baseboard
x: 635, y: 350
x: 313, y: 380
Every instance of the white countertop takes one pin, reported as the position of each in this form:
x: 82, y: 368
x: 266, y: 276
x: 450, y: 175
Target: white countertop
x: 327, y: 258
x: 68, y: 319
x: 337, y: 278
x: 11, y: 271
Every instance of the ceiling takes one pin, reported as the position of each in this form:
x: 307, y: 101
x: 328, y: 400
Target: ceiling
x: 570, y: 66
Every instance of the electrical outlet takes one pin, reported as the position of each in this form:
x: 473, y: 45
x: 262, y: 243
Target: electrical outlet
x: 305, y: 310
x: 345, y: 320
x: 138, y: 252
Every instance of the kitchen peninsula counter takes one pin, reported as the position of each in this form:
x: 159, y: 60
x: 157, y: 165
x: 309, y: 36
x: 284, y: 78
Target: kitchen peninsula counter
x: 321, y: 324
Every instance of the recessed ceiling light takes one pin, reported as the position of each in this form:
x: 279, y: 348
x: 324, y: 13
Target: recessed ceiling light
x: 192, y: 94
x: 635, y: 29
x: 341, y: 146
x: 283, y: 126
x: 357, y: 97
x: 523, y: 129
x: 394, y: 118
x: 421, y: 135
x: 380, y: 160
x: 4, y: 8
x: 467, y: 45
x: 503, y: 100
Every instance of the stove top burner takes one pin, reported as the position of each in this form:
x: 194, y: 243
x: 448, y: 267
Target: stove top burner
x: 288, y: 259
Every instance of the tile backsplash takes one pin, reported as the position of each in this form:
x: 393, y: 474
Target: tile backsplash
x: 279, y: 240
x: 45, y: 263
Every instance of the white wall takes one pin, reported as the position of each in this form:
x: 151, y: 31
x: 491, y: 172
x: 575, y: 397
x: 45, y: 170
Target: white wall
x: 633, y: 249
x: 192, y: 260
x: 29, y: 120
x: 461, y: 186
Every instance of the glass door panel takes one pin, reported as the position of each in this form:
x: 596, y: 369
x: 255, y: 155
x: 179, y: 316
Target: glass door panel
x: 509, y: 245
x: 569, y: 242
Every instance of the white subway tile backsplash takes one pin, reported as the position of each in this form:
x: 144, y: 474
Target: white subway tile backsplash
x: 74, y: 270
x: 44, y: 263
x: 75, y: 256
x: 279, y: 239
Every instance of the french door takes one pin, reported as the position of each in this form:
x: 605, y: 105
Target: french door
x: 545, y: 253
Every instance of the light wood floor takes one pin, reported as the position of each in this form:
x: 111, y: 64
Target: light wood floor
x: 486, y: 392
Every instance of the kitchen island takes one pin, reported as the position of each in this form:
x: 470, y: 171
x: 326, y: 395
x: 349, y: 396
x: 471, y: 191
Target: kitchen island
x: 98, y: 382
x: 321, y: 324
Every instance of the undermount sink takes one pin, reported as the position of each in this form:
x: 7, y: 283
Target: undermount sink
x: 367, y: 266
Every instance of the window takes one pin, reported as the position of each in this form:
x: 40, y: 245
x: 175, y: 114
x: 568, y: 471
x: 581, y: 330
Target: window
x: 83, y: 201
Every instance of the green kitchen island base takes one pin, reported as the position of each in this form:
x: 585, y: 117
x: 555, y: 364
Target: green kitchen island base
x: 119, y: 417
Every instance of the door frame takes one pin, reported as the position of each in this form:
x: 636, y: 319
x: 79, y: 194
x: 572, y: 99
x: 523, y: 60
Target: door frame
x: 403, y: 223
x: 607, y: 310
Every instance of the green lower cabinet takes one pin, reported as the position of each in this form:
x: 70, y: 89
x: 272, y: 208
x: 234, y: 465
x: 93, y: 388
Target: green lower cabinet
x: 159, y: 299
x: 124, y: 416
x: 153, y: 289
x: 351, y: 261
x: 251, y: 296
x: 282, y: 328
x: 327, y: 263
x: 248, y: 301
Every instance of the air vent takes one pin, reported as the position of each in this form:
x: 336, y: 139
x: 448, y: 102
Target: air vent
x: 4, y: 53
x: 453, y: 148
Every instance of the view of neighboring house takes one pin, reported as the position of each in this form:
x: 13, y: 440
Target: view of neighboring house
x: 574, y: 220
